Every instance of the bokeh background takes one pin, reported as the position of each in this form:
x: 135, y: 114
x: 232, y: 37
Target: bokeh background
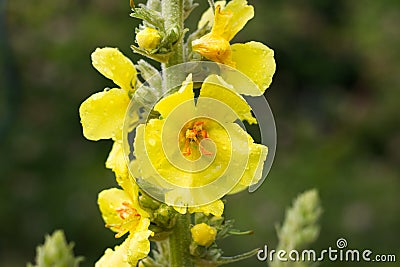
x: 335, y: 97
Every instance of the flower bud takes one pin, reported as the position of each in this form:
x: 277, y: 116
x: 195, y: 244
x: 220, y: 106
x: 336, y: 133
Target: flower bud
x: 148, y: 202
x: 203, y: 234
x: 148, y: 39
x: 56, y: 252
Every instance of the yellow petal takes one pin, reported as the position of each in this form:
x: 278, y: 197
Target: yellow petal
x: 110, y: 201
x: 181, y: 210
x: 227, y: 23
x: 116, y: 160
x: 116, y: 258
x: 208, y: 16
x: 134, y: 248
x: 254, y: 168
x: 129, y: 185
x: 214, y: 47
x: 221, y: 23
x: 256, y: 61
x: 114, y: 65
x: 215, y: 208
x: 102, y: 114
x: 169, y: 103
x: 241, y: 13
x: 216, y: 88
x: 151, y: 160
x: 159, y: 146
x: 132, y: 189
x: 139, y: 244
x: 191, y: 186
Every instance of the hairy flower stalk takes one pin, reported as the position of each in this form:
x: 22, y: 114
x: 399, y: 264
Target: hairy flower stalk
x: 185, y: 234
x: 179, y: 240
x: 172, y: 12
x: 179, y: 142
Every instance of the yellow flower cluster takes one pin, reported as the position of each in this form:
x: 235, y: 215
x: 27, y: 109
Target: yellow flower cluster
x: 102, y: 117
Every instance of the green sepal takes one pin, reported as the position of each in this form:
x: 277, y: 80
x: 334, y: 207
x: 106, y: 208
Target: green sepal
x: 149, y: 16
x: 149, y: 73
x: 238, y: 232
x: 173, y: 35
x: 160, y: 256
x: 163, y: 58
x: 148, y: 202
x: 164, y: 217
x: 219, y: 260
x: 159, y: 233
x: 194, y: 36
x: 240, y: 257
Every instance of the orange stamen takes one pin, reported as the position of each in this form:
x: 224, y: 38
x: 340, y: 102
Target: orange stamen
x: 127, y: 211
x: 194, y: 136
x: 129, y: 215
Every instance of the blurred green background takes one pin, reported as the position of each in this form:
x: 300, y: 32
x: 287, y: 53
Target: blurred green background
x: 335, y: 97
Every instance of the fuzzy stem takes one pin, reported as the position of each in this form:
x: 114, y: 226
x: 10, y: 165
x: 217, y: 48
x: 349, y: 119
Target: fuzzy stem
x: 172, y: 12
x: 179, y: 242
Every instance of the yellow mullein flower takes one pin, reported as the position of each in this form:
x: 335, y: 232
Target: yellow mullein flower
x: 203, y: 234
x: 148, y: 38
x: 254, y: 59
x: 213, y: 45
x: 134, y: 248
x: 102, y: 114
x: 122, y: 214
x: 209, y: 145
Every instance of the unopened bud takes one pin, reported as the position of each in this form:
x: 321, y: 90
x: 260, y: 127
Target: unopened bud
x: 203, y: 234
x: 148, y: 39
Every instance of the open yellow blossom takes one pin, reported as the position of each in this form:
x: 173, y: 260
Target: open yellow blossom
x: 195, y: 144
x: 122, y: 214
x: 134, y: 248
x: 254, y: 59
x: 102, y: 114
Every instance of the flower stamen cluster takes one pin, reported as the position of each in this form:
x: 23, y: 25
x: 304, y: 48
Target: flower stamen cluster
x: 193, y: 137
x: 130, y: 218
x: 127, y: 211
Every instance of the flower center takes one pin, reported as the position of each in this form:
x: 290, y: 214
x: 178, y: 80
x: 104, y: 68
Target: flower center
x: 130, y: 217
x: 127, y: 211
x: 194, y: 134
